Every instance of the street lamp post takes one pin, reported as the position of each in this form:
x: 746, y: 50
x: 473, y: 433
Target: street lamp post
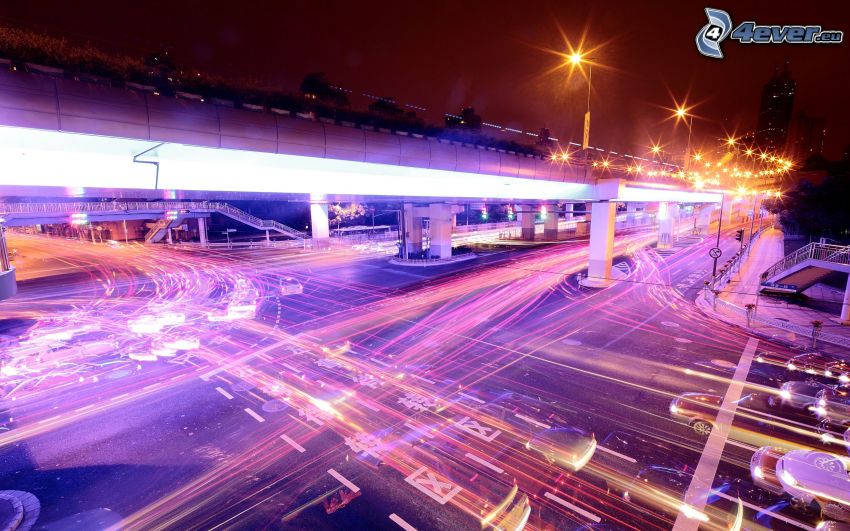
x: 576, y: 59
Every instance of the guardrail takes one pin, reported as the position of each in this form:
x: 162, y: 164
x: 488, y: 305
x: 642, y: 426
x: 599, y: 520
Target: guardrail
x: 425, y: 262
x: 826, y: 252
x: 733, y: 265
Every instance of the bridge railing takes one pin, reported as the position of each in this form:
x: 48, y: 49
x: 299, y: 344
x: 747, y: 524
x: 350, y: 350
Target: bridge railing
x: 838, y: 254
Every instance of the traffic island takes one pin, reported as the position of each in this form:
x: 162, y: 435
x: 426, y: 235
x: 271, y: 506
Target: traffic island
x: 431, y: 262
x: 19, y: 510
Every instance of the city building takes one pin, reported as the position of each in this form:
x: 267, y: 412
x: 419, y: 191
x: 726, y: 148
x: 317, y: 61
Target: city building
x: 806, y: 136
x: 777, y: 103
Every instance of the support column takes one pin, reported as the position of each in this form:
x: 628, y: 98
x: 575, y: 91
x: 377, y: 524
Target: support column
x: 268, y: 240
x: 568, y: 211
x: 665, y: 226
x: 8, y: 283
x: 550, y: 224
x: 526, y: 218
x: 441, y: 230
x: 704, y: 218
x: 319, y: 225
x: 603, y: 221
x: 413, y: 230
x: 202, y: 230
x: 728, y: 207
x: 845, y: 308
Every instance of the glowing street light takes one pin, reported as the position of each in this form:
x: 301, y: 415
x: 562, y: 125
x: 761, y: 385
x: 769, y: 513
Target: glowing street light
x: 656, y: 149
x: 682, y: 114
x: 730, y: 141
x: 576, y: 59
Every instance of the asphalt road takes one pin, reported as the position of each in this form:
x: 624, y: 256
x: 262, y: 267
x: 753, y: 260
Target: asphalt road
x: 149, y: 388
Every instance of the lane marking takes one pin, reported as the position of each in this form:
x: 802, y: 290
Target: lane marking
x: 698, y: 491
x: 532, y: 421
x: 151, y: 386
x: 418, y: 429
x: 480, y: 461
x: 119, y: 397
x: 253, y: 414
x: 401, y: 523
x: 339, y: 477
x: 291, y: 368
x: 426, y: 380
x: 224, y: 393
x: 379, y: 362
x: 472, y: 398
x: 370, y: 406
x: 78, y: 410
x: 292, y: 443
x: 758, y: 509
x: 618, y: 454
x: 45, y: 421
x: 570, y: 506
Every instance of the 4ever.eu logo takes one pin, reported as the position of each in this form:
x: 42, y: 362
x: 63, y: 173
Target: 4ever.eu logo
x: 719, y: 27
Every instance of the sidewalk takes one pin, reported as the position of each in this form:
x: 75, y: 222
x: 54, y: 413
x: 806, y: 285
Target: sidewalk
x: 772, y: 317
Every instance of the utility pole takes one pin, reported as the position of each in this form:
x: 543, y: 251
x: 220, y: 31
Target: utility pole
x: 719, y: 224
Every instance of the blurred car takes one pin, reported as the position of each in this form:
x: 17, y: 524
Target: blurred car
x: 798, y: 394
x: 548, y: 432
x: 567, y: 447
x: 290, y: 286
x: 661, y: 489
x: 829, y: 525
x: 763, y: 468
x: 815, y: 477
x: 698, y: 410
x: 819, y: 364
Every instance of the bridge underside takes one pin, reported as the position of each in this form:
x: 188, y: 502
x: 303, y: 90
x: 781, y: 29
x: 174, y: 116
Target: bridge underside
x: 58, y: 164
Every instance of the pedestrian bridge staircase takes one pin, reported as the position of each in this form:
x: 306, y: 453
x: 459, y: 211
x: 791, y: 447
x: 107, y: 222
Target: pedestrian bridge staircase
x: 23, y: 214
x: 805, y: 267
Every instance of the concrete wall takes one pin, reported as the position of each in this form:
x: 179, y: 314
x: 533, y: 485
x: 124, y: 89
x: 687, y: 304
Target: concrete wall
x: 8, y: 286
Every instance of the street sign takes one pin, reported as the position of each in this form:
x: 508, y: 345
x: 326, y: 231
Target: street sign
x: 715, y: 252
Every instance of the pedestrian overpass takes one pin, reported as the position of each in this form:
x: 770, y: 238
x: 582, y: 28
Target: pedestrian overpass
x: 807, y: 266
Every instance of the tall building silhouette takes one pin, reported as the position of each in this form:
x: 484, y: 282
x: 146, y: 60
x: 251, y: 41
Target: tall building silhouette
x: 777, y: 103
x: 806, y: 136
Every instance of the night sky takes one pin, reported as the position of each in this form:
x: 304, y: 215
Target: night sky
x: 443, y: 55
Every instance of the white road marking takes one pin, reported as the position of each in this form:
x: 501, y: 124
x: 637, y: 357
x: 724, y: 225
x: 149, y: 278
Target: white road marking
x: 379, y: 362
x: 618, y: 454
x: 119, y: 397
x: 370, y: 406
x: 432, y: 485
x: 574, y: 508
x: 339, y: 477
x: 292, y: 443
x: 532, y: 421
x: 697, y: 493
x: 254, y: 414
x: 151, y: 386
x: 45, y: 421
x: 401, y: 523
x: 426, y: 380
x: 78, y: 410
x: 224, y: 393
x: 480, y: 461
x: 472, y: 398
x: 291, y: 368
x: 772, y: 514
x: 176, y: 377
x: 418, y: 429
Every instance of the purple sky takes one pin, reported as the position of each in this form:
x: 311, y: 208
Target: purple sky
x: 489, y: 54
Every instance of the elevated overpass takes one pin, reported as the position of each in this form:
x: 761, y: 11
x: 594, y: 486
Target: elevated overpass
x: 66, y: 138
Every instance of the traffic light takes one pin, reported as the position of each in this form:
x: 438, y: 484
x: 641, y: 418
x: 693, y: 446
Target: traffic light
x: 739, y: 235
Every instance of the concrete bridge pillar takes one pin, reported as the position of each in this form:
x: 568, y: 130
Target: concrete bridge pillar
x: 603, y: 220
x: 319, y: 226
x: 668, y: 221
x: 202, y: 230
x: 729, y: 206
x: 704, y: 218
x: 441, y: 230
x: 845, y: 308
x: 568, y: 211
x: 550, y: 224
x: 412, y: 230
x: 8, y: 283
x: 526, y: 218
